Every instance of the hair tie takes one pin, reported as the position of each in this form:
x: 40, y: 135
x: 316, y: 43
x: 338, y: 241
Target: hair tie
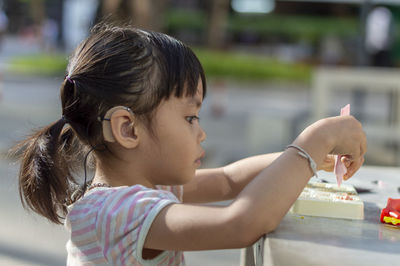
x: 64, y: 120
x: 69, y: 79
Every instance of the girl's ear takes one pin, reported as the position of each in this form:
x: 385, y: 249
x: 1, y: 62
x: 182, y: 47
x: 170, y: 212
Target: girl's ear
x: 120, y: 127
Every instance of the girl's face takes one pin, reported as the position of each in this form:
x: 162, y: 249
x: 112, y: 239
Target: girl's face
x: 175, y: 153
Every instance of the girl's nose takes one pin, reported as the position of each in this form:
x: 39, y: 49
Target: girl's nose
x: 202, y: 135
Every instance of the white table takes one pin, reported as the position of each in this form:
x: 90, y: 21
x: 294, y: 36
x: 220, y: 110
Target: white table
x: 306, y: 240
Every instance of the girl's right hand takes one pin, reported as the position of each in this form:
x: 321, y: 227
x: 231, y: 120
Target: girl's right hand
x: 341, y: 135
x: 352, y: 143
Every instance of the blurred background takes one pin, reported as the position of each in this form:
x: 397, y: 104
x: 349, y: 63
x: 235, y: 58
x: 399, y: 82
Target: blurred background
x: 272, y: 66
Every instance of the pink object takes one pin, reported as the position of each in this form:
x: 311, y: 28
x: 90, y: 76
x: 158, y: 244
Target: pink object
x: 340, y: 169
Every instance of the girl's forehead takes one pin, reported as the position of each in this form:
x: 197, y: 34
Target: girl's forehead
x: 184, y: 101
x: 195, y: 100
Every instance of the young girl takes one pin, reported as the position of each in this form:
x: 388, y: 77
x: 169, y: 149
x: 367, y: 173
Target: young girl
x: 132, y: 99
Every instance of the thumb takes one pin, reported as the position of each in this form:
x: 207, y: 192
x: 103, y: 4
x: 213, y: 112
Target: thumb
x: 345, y: 160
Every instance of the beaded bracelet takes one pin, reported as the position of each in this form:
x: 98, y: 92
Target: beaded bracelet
x: 304, y: 154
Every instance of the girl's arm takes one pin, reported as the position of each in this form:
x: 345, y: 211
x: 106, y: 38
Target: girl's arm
x: 225, y: 183
x: 261, y: 205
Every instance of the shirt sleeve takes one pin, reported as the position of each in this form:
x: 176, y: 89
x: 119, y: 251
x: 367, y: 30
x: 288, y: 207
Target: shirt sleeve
x: 176, y: 190
x: 125, y: 219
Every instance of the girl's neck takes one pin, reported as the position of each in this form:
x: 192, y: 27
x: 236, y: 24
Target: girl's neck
x: 116, y: 176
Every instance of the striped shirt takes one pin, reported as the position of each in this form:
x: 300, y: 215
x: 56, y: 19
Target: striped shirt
x: 108, y: 226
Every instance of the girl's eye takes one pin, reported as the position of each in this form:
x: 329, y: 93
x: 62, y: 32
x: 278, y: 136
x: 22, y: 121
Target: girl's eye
x: 191, y: 118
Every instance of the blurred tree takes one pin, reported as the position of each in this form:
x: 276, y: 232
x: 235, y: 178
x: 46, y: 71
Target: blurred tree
x: 149, y: 14
x: 110, y: 7
x: 38, y: 11
x: 142, y: 14
x: 219, y: 11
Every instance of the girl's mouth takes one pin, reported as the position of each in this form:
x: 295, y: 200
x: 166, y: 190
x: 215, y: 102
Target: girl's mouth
x: 198, y: 160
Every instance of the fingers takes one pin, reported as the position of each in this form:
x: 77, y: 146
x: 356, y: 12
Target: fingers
x: 353, y: 168
x: 357, y: 156
x: 354, y: 163
x: 363, y: 145
x: 356, y: 136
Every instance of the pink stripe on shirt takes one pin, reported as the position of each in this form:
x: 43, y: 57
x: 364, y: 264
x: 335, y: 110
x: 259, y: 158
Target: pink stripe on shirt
x: 84, y: 230
x: 92, y: 251
x: 108, y: 221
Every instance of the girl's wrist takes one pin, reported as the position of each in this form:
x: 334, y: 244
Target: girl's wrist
x: 317, y: 140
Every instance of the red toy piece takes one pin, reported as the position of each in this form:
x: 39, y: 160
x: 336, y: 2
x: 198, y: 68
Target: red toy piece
x: 391, y: 214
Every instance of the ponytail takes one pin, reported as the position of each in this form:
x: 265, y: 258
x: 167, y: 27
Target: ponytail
x: 45, y: 176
